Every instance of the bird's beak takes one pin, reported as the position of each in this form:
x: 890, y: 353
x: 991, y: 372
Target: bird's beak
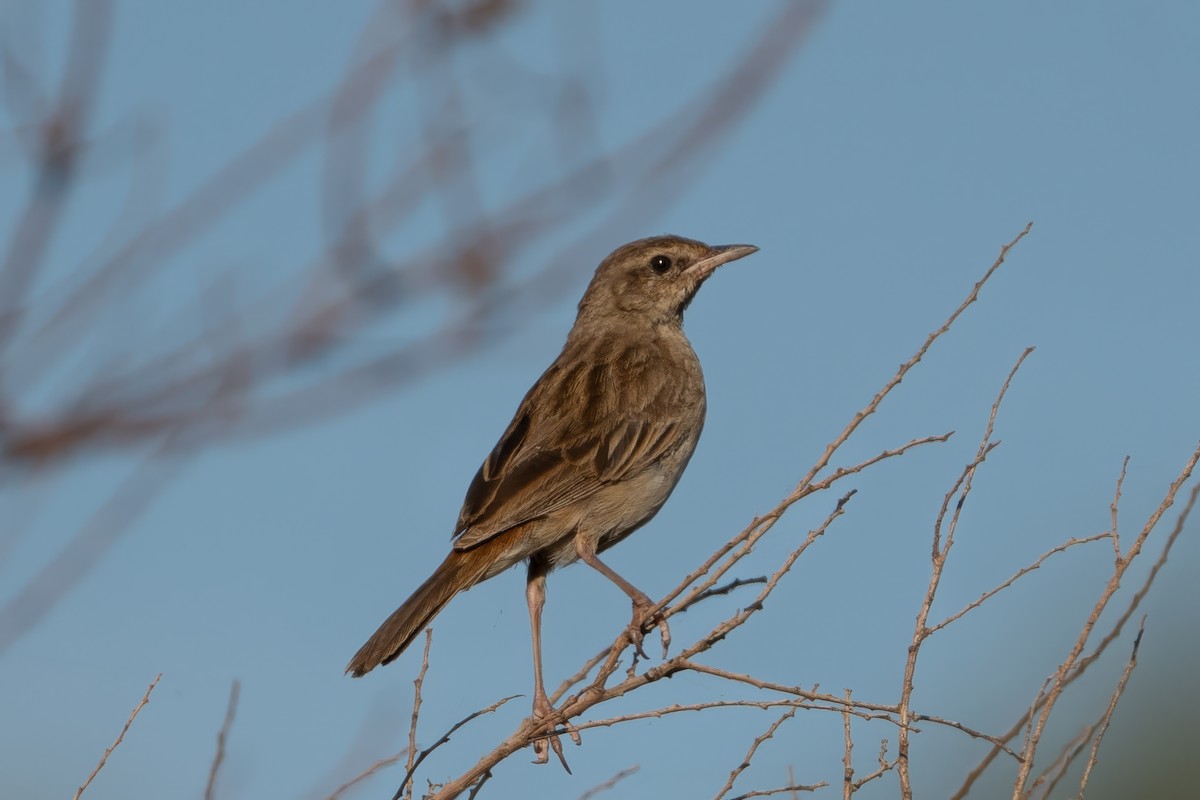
x: 718, y: 255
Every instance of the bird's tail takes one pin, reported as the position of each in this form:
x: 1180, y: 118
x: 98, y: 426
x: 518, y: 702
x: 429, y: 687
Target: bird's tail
x: 458, y: 572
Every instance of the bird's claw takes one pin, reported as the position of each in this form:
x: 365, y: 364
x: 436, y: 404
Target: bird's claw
x: 642, y: 622
x: 544, y: 711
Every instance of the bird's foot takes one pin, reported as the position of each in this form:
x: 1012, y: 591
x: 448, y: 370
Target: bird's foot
x: 643, y: 621
x: 544, y: 712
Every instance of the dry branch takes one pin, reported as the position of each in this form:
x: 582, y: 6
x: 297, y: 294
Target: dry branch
x: 120, y: 737
x: 990, y: 593
x: 1063, y: 675
x: 749, y: 757
x: 407, y: 786
x: 847, y: 751
x: 382, y: 763
x: 1106, y: 718
x: 940, y: 551
x: 600, y: 789
x: 445, y: 738
x: 1025, y: 721
x: 210, y: 788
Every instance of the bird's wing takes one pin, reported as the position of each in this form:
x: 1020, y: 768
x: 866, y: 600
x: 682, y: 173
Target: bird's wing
x: 555, y: 454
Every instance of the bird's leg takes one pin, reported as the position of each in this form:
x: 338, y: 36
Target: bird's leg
x: 535, y: 596
x: 642, y: 620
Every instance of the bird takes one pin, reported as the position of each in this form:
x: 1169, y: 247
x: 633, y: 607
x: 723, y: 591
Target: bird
x: 593, y: 452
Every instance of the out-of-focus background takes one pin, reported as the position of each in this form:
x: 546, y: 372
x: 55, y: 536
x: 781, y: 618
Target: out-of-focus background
x: 275, y: 276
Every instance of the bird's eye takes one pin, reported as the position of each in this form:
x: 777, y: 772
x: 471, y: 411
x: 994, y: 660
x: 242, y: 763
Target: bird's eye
x: 660, y: 264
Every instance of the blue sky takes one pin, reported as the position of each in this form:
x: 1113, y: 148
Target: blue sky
x: 879, y: 175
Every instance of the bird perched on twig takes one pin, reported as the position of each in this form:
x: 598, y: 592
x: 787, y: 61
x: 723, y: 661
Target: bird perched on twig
x: 591, y: 455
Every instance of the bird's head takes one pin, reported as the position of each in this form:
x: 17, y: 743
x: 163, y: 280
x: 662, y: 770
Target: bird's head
x: 655, y: 278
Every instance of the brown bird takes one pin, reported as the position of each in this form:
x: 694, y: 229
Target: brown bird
x: 592, y: 454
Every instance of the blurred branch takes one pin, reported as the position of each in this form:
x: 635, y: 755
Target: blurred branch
x: 596, y: 791
x: 60, y: 133
x: 285, y: 357
x: 32, y: 601
x: 380, y: 764
x: 210, y: 788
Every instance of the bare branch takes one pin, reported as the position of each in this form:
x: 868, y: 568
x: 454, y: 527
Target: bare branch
x: 1057, y: 769
x: 983, y: 598
x: 939, y: 554
x: 744, y: 542
x: 1106, y: 719
x: 478, y: 785
x: 1086, y: 661
x: 847, y: 751
x: 745, y: 764
x: 608, y: 784
x: 61, y: 135
x: 1116, y: 536
x: 717, y: 591
x: 412, y: 728
x: 856, y: 709
x: 120, y: 737
x: 885, y: 767
x: 30, y: 604
x: 366, y: 773
x: 798, y: 787
x: 974, y: 734
x: 1062, y: 676
x: 1136, y: 601
x: 446, y: 738
x: 210, y: 789
x: 608, y: 656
